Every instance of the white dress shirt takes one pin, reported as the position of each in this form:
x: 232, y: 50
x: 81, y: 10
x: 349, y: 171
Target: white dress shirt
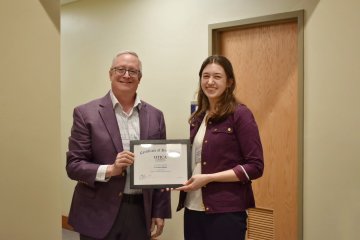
x: 129, y: 127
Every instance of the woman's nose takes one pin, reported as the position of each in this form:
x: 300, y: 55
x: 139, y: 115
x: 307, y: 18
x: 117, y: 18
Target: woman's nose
x: 210, y: 80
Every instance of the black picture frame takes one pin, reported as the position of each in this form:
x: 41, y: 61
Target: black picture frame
x: 157, y: 165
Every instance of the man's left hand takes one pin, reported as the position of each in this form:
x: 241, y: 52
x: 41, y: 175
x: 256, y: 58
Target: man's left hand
x: 157, y: 226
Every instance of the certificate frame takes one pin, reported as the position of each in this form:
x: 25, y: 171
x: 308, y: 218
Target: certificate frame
x: 160, y: 163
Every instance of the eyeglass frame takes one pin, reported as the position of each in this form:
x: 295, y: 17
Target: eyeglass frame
x: 132, y: 73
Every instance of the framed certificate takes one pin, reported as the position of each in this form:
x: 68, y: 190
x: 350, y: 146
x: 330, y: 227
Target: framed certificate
x: 160, y: 163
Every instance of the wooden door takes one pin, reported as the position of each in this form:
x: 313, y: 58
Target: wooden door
x: 267, y: 57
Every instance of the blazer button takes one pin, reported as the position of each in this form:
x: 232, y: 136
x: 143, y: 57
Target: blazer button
x: 204, y: 163
x: 205, y: 141
x: 207, y: 209
x: 120, y: 194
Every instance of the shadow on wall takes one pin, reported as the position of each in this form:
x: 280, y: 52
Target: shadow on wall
x: 52, y: 9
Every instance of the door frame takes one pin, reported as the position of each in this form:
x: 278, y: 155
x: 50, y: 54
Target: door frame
x: 214, y: 31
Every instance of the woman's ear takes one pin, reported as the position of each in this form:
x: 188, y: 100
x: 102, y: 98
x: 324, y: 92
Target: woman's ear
x: 230, y: 82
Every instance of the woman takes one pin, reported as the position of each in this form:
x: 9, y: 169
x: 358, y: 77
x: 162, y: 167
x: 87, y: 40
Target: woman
x: 226, y: 153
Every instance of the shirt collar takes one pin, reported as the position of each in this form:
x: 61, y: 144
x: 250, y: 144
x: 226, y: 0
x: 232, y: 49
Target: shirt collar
x: 115, y: 102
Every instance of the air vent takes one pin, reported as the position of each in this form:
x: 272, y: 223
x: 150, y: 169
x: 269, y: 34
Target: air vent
x: 260, y: 224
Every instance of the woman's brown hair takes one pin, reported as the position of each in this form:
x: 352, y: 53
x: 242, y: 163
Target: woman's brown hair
x: 227, y: 102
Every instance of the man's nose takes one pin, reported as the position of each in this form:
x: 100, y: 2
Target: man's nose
x: 126, y: 74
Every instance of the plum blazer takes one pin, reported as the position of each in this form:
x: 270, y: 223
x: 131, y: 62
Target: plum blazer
x: 95, y: 140
x: 233, y: 143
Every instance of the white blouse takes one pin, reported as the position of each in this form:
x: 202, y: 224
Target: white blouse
x: 194, y: 198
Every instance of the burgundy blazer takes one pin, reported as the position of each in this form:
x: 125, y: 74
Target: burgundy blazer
x: 228, y: 144
x: 95, y: 140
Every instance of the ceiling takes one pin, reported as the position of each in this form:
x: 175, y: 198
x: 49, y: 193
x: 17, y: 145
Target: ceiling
x: 62, y: 2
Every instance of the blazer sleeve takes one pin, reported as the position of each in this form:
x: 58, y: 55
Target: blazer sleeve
x: 78, y: 158
x: 248, y: 137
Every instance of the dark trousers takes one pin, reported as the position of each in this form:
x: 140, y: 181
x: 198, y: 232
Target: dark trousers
x: 214, y: 226
x: 129, y: 224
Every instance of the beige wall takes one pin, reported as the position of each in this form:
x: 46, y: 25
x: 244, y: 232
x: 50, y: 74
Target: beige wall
x: 171, y: 37
x: 30, y: 179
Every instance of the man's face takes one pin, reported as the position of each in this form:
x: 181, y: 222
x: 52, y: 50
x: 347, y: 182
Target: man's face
x: 125, y: 75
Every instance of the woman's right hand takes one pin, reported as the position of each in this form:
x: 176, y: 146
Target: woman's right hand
x: 196, y: 182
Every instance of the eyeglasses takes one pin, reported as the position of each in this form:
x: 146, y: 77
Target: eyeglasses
x: 122, y: 71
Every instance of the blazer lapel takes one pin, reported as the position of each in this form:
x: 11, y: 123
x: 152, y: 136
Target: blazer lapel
x: 107, y: 114
x: 144, y: 122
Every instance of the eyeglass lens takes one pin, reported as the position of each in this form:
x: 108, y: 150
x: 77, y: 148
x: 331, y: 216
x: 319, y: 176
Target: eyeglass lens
x: 122, y: 71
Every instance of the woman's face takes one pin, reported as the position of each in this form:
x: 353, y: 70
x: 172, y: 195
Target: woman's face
x: 213, y: 82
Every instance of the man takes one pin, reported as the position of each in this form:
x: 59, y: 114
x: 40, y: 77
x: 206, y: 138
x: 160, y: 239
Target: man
x: 103, y: 205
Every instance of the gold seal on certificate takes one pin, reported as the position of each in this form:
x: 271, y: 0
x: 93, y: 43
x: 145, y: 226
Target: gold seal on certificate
x: 160, y: 163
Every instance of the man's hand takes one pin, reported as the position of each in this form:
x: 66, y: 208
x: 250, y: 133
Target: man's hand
x: 157, y: 226
x: 122, y: 161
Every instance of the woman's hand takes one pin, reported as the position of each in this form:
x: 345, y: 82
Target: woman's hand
x: 195, y: 182
x: 199, y: 180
